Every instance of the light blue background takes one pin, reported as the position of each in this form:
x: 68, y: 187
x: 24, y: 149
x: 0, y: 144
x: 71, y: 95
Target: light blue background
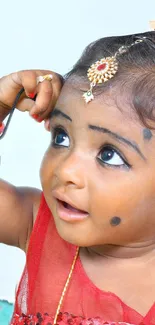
x: 50, y: 35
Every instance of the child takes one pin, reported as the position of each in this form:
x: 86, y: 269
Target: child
x: 89, y: 236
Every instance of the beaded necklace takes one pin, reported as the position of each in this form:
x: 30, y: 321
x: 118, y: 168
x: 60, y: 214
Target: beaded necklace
x: 66, y: 286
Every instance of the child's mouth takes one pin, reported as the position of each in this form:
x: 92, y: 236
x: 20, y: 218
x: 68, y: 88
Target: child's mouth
x: 69, y: 213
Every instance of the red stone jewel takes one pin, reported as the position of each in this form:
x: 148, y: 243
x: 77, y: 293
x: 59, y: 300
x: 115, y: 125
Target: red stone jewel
x: 102, y: 66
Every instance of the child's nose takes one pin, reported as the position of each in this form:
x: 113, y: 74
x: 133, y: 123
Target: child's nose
x: 72, y: 171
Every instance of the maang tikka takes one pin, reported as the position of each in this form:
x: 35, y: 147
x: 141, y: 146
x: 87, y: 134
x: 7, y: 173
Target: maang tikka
x: 105, y: 69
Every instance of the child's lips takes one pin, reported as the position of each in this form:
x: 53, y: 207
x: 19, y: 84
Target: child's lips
x: 66, y: 209
x: 64, y: 198
x: 68, y: 213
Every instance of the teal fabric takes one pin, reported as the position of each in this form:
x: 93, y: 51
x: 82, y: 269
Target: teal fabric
x: 6, y: 310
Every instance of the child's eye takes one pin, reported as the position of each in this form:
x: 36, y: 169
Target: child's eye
x: 109, y: 156
x: 60, y: 138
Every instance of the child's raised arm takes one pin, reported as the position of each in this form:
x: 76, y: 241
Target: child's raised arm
x: 19, y: 206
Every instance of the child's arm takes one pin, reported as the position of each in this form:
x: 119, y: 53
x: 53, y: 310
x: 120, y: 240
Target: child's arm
x: 19, y: 206
x: 18, y: 209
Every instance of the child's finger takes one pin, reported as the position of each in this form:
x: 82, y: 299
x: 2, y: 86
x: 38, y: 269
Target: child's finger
x: 43, y: 99
x: 27, y: 80
x: 25, y: 104
x: 47, y: 125
x: 56, y: 85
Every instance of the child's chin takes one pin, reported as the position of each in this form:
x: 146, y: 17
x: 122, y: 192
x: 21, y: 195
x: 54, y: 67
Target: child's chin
x: 71, y: 235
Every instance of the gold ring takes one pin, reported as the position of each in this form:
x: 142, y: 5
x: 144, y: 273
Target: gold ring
x: 48, y: 77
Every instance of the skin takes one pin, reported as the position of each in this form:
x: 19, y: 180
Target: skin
x: 19, y: 205
x: 105, y: 191
x: 66, y: 169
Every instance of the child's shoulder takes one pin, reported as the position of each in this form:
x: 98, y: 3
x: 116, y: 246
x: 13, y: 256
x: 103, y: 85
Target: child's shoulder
x: 18, y: 207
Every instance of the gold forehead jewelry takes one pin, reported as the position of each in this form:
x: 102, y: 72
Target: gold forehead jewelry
x: 104, y: 69
x: 48, y: 77
x: 100, y: 71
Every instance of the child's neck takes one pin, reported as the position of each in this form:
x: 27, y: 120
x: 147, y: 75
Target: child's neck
x: 133, y: 267
x: 137, y: 250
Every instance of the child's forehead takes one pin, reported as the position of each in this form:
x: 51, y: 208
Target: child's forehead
x: 108, y: 110
x: 112, y: 107
x: 110, y: 104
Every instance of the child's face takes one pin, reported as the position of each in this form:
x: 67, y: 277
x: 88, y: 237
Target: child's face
x: 103, y: 163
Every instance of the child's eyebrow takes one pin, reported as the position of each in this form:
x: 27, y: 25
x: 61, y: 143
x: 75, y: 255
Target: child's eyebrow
x: 57, y: 112
x: 119, y: 138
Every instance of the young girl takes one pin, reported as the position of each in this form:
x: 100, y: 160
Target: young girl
x: 89, y: 236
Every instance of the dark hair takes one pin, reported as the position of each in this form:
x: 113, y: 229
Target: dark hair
x: 136, y: 70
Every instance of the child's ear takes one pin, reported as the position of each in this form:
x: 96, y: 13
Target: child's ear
x: 47, y: 125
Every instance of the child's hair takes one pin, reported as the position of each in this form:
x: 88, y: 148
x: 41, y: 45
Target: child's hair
x: 136, y: 71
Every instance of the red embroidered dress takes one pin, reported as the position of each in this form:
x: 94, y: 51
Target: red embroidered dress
x: 48, y: 263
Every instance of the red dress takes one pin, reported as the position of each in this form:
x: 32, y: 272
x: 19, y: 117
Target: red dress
x: 48, y: 263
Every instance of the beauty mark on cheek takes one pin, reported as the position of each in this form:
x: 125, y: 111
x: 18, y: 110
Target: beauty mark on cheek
x: 115, y: 221
x: 147, y: 134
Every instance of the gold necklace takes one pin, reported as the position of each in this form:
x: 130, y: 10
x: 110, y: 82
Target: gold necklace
x: 66, y: 286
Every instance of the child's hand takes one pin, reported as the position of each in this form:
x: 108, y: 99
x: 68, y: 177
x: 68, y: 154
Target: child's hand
x: 47, y: 93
